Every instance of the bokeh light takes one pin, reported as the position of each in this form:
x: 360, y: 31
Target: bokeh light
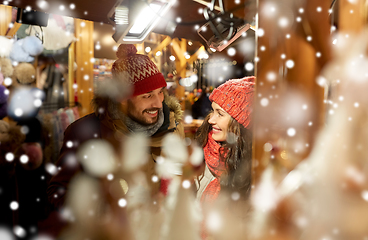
x: 264, y: 102
x: 122, y: 202
x: 291, y: 132
x: 14, y: 205
x: 91, y: 153
x: 249, y: 66
x: 231, y: 51
x: 6, y: 234
x: 290, y: 64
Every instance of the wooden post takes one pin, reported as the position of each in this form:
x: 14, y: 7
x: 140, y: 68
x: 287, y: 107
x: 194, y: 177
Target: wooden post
x: 84, y: 52
x: 180, y: 48
x: 5, y: 19
x: 71, y: 73
x: 352, y: 15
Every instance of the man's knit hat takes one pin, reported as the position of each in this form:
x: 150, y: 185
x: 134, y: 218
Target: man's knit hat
x: 137, y: 70
x: 235, y: 96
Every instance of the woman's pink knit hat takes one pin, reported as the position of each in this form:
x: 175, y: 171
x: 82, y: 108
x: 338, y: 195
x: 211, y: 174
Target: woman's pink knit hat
x: 137, y: 69
x: 235, y: 96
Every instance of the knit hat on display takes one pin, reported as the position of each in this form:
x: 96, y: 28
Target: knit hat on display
x: 235, y: 96
x: 137, y: 69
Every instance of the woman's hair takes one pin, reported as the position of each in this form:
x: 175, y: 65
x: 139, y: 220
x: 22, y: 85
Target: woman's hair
x: 236, y: 152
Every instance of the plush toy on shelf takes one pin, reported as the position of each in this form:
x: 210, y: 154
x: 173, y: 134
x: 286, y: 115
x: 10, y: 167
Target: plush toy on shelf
x: 10, y: 138
x: 6, y: 67
x: 6, y: 45
x: 24, y: 75
x: 25, y: 49
x: 22, y: 137
x: 24, y: 103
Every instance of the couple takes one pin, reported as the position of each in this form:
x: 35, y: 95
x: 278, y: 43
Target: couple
x: 224, y: 134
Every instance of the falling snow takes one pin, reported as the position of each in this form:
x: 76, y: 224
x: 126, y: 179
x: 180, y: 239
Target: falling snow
x: 122, y: 202
x: 291, y: 132
x: 14, y: 205
x: 343, y: 81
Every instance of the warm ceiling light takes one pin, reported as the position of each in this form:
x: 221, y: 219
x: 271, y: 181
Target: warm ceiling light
x: 121, y: 15
x: 144, y: 18
x: 203, y: 55
x: 134, y: 19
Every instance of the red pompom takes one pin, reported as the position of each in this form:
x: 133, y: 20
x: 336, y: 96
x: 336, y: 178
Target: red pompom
x: 126, y: 50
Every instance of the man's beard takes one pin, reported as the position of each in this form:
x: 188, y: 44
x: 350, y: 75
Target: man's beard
x: 140, y: 116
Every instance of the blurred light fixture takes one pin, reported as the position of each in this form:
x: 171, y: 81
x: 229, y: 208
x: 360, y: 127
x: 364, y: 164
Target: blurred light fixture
x: 32, y: 17
x: 121, y: 15
x: 203, y: 55
x: 225, y: 28
x: 135, y: 19
x: 98, y: 46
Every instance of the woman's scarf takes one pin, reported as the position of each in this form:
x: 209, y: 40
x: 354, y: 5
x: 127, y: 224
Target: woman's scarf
x: 216, y: 166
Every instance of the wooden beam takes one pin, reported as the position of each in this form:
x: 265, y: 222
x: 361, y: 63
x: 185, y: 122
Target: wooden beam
x: 206, y: 4
x: 161, y: 46
x: 190, y: 60
x: 195, y: 55
x: 180, y: 50
x: 140, y: 48
x: 183, y: 44
x: 12, y: 31
x: 84, y: 52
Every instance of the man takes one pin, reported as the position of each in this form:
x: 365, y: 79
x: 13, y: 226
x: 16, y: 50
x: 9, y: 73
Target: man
x: 147, y: 111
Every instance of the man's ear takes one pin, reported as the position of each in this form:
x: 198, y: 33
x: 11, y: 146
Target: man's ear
x: 124, y: 106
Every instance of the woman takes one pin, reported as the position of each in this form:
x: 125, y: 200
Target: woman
x: 226, y: 139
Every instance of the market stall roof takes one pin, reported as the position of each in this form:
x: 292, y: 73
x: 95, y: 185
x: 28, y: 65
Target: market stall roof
x: 97, y: 11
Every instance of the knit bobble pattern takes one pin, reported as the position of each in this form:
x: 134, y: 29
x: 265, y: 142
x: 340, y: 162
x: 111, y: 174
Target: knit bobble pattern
x: 126, y: 50
x: 235, y: 96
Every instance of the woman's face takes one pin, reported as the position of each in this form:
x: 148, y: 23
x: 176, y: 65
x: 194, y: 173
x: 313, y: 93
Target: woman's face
x: 220, y: 123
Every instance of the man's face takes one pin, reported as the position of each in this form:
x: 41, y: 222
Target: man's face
x: 144, y: 108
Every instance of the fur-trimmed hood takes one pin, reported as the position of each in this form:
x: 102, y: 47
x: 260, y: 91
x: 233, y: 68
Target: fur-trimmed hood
x: 174, y: 106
